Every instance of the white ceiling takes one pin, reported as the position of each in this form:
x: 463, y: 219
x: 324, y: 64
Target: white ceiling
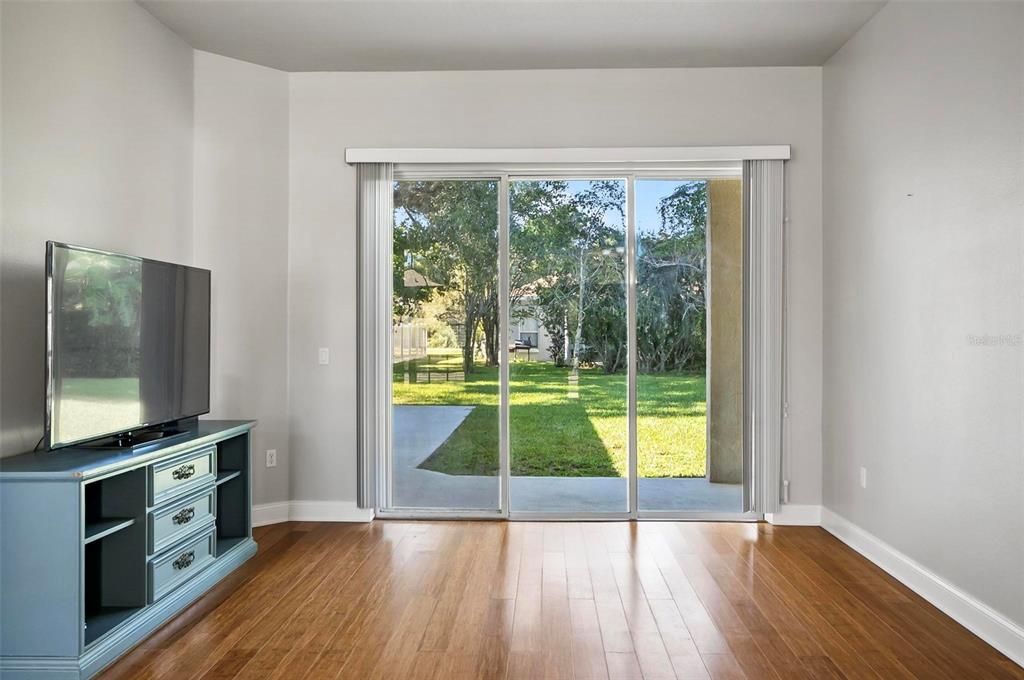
x: 402, y: 35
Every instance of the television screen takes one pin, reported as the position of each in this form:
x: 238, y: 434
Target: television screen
x: 128, y: 343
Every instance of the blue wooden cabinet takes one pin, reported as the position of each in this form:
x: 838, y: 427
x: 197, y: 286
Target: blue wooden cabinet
x: 98, y: 548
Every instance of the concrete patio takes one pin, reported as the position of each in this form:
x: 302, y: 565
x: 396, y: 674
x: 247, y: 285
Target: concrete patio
x: 419, y: 430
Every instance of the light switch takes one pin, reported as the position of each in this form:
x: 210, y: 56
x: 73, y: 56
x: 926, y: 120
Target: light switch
x: 324, y: 356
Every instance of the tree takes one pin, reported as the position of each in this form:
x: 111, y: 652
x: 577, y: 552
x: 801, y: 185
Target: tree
x: 568, y: 261
x: 539, y: 212
x: 671, y: 291
x: 406, y: 300
x: 567, y: 254
x: 448, y: 231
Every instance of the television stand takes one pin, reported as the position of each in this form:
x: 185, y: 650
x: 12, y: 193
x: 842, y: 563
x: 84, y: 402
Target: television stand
x: 103, y: 546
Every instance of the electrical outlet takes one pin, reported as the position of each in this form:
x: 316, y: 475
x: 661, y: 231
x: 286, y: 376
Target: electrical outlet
x: 271, y: 457
x: 863, y: 478
x: 324, y: 356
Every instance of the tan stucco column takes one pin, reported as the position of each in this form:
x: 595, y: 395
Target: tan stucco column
x: 725, y: 323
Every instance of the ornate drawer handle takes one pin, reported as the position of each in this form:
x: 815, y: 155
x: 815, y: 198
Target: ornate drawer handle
x: 184, y: 516
x: 184, y: 471
x: 185, y: 560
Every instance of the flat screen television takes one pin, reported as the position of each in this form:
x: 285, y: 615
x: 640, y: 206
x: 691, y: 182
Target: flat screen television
x: 127, y: 345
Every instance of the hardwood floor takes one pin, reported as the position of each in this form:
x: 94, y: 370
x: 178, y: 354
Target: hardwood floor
x: 396, y: 600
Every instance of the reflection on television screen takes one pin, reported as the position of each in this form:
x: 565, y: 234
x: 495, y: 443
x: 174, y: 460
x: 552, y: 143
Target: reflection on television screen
x: 129, y: 342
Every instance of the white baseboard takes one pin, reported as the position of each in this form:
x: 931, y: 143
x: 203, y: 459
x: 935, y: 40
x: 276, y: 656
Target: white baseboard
x: 269, y: 513
x: 980, y: 619
x: 309, y: 511
x: 329, y: 511
x: 795, y: 515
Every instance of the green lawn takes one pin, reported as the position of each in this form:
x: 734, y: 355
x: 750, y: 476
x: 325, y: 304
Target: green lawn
x: 559, y: 428
x: 101, y: 389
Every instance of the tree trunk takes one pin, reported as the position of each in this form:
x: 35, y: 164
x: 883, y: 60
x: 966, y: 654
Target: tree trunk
x: 492, y: 331
x: 472, y: 317
x: 565, y: 339
x: 578, y: 340
x: 469, y: 343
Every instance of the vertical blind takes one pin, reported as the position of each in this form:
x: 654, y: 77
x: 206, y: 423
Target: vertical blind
x: 374, y: 219
x: 763, y: 205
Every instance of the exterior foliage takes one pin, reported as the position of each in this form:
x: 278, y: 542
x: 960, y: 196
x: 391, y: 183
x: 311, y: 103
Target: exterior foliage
x: 671, y: 284
x: 448, y: 233
x: 567, y: 253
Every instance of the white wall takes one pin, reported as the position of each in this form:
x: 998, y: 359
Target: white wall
x: 923, y: 256
x: 97, y: 150
x: 241, y: 234
x: 115, y: 137
x: 332, y: 111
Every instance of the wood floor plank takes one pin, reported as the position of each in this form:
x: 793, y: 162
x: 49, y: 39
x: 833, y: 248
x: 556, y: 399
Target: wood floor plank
x: 438, y: 635
x: 632, y: 594
x: 723, y: 667
x: 805, y: 630
x: 650, y: 653
x: 615, y: 632
x: 899, y: 645
x: 711, y: 552
x: 404, y: 601
x: 903, y: 608
x: 557, y: 632
x: 837, y: 628
x: 705, y: 635
x: 556, y: 618
x: 471, y: 621
x: 367, y: 627
x: 681, y: 649
x: 238, y: 625
x: 493, y: 657
x: 624, y: 666
x: 742, y: 644
x: 577, y: 571
x: 291, y: 639
x: 587, y: 648
x: 527, y: 626
x: 506, y: 578
x: 783, y: 614
x: 587, y: 601
x: 137, y: 661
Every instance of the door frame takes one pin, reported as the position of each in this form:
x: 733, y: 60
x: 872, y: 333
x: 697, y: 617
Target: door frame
x: 504, y: 174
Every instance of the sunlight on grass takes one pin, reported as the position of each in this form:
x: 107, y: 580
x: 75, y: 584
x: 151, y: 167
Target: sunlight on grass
x: 554, y: 433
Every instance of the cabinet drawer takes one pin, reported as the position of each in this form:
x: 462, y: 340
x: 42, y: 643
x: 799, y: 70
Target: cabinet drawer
x: 185, y: 473
x: 180, y: 563
x: 178, y: 518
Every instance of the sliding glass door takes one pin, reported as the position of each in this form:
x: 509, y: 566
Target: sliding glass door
x: 689, y: 315
x: 567, y: 392
x: 444, y: 346
x: 567, y: 346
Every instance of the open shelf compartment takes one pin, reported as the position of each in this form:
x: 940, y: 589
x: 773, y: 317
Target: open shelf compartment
x: 102, y: 528
x: 232, y: 493
x: 227, y: 475
x: 112, y: 504
x: 114, y: 538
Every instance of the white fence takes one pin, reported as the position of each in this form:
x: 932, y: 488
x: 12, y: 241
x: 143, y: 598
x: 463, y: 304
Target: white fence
x: 408, y: 341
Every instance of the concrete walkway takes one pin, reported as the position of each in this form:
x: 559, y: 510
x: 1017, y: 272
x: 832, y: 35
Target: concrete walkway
x: 419, y: 430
